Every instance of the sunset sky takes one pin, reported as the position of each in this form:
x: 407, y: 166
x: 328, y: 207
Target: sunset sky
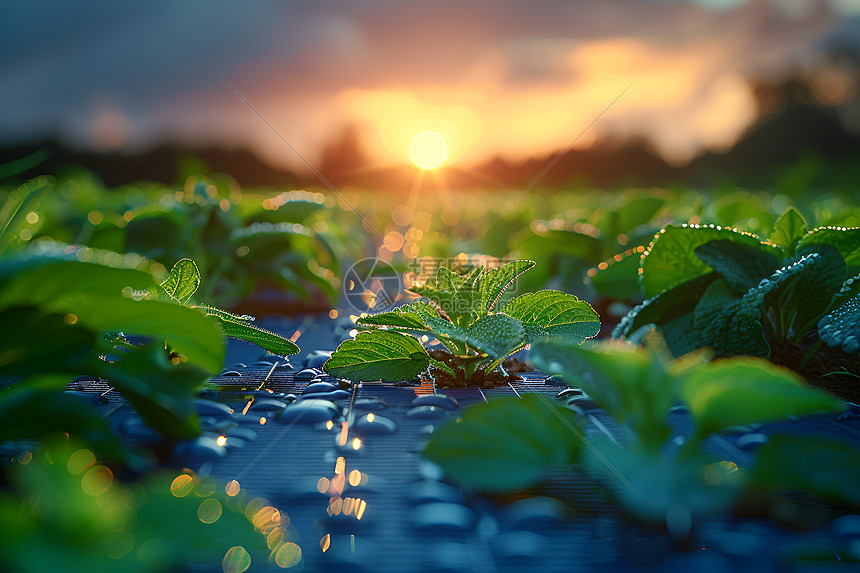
x: 515, y: 79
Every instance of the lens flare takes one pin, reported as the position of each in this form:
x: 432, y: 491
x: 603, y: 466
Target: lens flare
x: 428, y: 150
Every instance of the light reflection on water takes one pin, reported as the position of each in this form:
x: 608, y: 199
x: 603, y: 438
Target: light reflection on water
x: 267, y: 519
x: 339, y: 506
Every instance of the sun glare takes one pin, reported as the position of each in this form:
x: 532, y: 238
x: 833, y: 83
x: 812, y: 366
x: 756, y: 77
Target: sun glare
x: 428, y: 150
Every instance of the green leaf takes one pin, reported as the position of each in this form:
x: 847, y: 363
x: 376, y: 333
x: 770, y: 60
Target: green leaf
x: 15, y: 207
x: 806, y: 289
x: 467, y: 300
x: 841, y: 328
x: 34, y: 280
x: 629, y: 382
x: 620, y: 279
x: 680, y: 335
x: 37, y: 411
x: 378, y: 355
x: 445, y: 301
x: 846, y: 241
x: 161, y: 392
x: 629, y: 215
x: 746, y: 390
x: 728, y: 324
x: 671, y: 259
x: 496, y: 335
x: 156, y: 233
x: 83, y: 528
x: 675, y: 303
x: 448, y: 280
x: 32, y: 342
x: 441, y: 366
x: 650, y: 486
x: 828, y: 469
x: 407, y: 317
x: 237, y: 327
x: 185, y: 330
x: 182, y: 282
x: 98, y: 297
x: 557, y: 313
x: 742, y: 266
x: 493, y: 283
x: 508, y: 444
x: 544, y: 244
x: 788, y: 230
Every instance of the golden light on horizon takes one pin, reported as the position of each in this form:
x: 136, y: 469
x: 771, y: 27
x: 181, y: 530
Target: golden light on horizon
x: 428, y: 150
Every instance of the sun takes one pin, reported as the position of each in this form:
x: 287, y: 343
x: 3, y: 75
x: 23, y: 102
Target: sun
x: 428, y: 150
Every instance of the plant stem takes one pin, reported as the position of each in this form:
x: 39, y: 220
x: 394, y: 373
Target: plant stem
x: 469, y: 370
x: 770, y: 323
x: 804, y: 329
x: 809, y: 354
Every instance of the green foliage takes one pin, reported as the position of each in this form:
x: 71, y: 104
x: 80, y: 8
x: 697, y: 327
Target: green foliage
x: 637, y: 387
x: 378, y: 355
x: 826, y: 468
x: 652, y: 488
x: 739, y: 295
x: 244, y: 329
x: 620, y: 278
x: 633, y: 386
x: 458, y: 311
x: 62, y: 306
x: 671, y: 259
x: 58, y: 413
x: 64, y: 500
x: 162, y: 391
x: 841, y: 328
x: 552, y: 313
x: 748, y: 390
x: 788, y: 230
x: 259, y: 238
x: 14, y: 210
x: 101, y: 298
x: 181, y: 284
x: 62, y: 317
x: 566, y: 247
x: 507, y: 444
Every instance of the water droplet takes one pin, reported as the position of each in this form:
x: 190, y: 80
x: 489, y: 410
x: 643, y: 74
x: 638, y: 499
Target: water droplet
x: 426, y: 413
x: 309, y: 412
x: 268, y: 405
x: 307, y: 374
x: 443, y: 517
x: 378, y: 426
x: 440, y: 400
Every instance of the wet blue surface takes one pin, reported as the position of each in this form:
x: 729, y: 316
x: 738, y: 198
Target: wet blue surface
x: 345, y: 469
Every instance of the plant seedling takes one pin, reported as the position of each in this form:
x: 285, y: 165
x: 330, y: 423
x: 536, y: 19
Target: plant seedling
x: 61, y: 317
x: 730, y: 290
x: 458, y: 310
x: 181, y: 284
x: 512, y: 443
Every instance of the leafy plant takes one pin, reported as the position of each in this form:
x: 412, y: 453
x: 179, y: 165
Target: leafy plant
x: 459, y: 311
x: 61, y: 316
x: 566, y: 247
x: 637, y: 387
x: 61, y: 497
x: 729, y: 290
x: 180, y: 286
x: 508, y: 444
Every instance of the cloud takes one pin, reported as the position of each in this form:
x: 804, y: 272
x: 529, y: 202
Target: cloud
x: 502, y: 77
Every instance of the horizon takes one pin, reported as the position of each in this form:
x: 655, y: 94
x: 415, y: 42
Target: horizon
x: 495, y: 81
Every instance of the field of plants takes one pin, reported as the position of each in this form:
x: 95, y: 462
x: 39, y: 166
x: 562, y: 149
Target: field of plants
x: 679, y: 365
